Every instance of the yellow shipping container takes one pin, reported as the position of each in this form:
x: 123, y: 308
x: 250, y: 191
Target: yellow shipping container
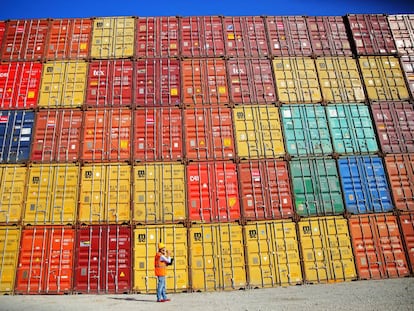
x: 383, y: 78
x: 339, y: 80
x: 159, y: 193
x: 326, y: 249
x: 52, y: 194
x: 258, y: 132
x: 105, y: 193
x: 63, y: 84
x: 146, y: 239
x: 113, y: 37
x: 272, y: 254
x: 296, y: 80
x: 9, y: 249
x: 216, y: 257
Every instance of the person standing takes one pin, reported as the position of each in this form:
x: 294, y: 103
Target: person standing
x: 162, y: 260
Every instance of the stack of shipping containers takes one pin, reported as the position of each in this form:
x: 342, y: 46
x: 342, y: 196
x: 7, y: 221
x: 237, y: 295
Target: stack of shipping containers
x: 263, y: 151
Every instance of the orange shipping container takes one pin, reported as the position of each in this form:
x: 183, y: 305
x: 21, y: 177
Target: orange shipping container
x: 2, y: 31
x: 407, y: 230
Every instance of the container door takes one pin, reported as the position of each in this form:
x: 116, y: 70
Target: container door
x: 406, y: 222
x: 117, y: 195
x: 12, y: 191
x: 92, y: 207
x: 9, y: 248
x: 21, y: 136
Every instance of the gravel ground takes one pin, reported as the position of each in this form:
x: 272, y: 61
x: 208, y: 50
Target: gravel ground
x: 386, y: 295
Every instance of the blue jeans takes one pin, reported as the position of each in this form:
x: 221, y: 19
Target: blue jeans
x: 161, y: 291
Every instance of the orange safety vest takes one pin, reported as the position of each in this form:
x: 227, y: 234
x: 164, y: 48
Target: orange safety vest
x: 160, y: 266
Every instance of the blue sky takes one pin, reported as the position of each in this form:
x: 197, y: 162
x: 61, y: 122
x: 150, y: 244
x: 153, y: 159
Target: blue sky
x: 17, y: 9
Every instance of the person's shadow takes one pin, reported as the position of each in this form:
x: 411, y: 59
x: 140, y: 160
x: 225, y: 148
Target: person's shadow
x: 133, y: 299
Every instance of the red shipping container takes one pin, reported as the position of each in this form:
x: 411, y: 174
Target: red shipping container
x: 251, y: 81
x: 158, y: 134
x: 157, y: 82
x: 204, y: 81
x: 45, y: 260
x: 407, y: 230
x: 25, y: 39
x: 19, y: 85
x: 208, y: 134
x: 371, y: 34
x: 157, y: 37
x: 103, y: 259
x: 245, y: 36
x: 106, y: 135
x: 402, y: 28
x: 57, y: 135
x: 2, y: 31
x: 400, y: 168
x: 328, y: 36
x: 109, y: 83
x: 407, y: 65
x: 378, y: 246
x: 288, y: 36
x: 212, y: 192
x: 202, y: 36
x: 69, y: 39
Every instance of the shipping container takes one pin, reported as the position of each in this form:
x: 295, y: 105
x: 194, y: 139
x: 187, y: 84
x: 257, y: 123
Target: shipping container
x: 328, y: 36
x: 212, y: 192
x: 9, y: 248
x: 400, y: 169
x: 106, y: 135
x: 19, y: 85
x: 326, y: 250
x: 407, y: 63
x: 402, y: 29
x: 406, y: 221
x: 352, y: 130
x: 157, y: 82
x: 109, y: 83
x: 15, y: 135
x: 105, y: 194
x: 157, y: 37
x: 316, y: 187
x: 113, y: 37
x: 146, y: 239
x: 340, y: 80
x: 158, y: 134
x: 251, y: 81
x: 45, y: 260
x: 204, y: 81
x: 371, y: 34
x: 63, y: 84
x: 383, y: 78
x: 202, y: 36
x: 245, y: 36
x: 288, y: 36
x: 208, y: 134
x: 52, y: 194
x: 258, y: 132
x: 2, y: 31
x: 25, y: 39
x: 216, y: 257
x: 365, y: 185
x: 395, y: 126
x: 296, y: 80
x: 69, y: 38
x: 159, y: 193
x: 306, y: 131
x: 272, y: 254
x: 103, y: 260
x: 378, y: 246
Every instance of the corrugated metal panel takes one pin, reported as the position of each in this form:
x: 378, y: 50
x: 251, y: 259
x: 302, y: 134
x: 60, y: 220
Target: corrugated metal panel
x: 251, y: 81
x: 9, y: 249
x: 296, y: 80
x: 378, y: 246
x: 146, y: 241
x: 340, y: 80
x: 113, y: 37
x: 407, y: 63
x: 208, y: 133
x: 202, y: 36
x: 103, y: 260
x: 326, y: 250
x: 2, y: 31
x: 52, y: 194
x: 19, y: 85
x: 407, y: 231
x: 351, y: 129
x: 159, y: 193
x: 306, y: 131
x: 216, y: 257
x: 158, y: 134
x: 105, y: 193
x: 272, y: 254
x: 258, y: 132
x: 402, y: 28
x: 316, y: 187
x: 364, y: 184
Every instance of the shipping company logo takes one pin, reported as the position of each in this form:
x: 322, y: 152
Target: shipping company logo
x: 252, y: 234
x: 197, y: 236
x: 195, y: 178
x: 238, y: 71
x: 98, y: 73
x: 142, y: 238
x: 4, y: 74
